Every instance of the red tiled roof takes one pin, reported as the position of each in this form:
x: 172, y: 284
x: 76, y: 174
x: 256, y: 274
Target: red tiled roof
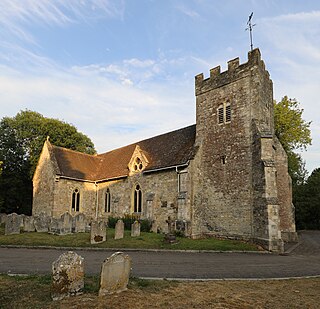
x: 166, y: 150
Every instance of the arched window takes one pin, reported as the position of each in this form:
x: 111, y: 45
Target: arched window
x: 138, y: 166
x: 107, y: 203
x: 75, y: 206
x: 137, y: 199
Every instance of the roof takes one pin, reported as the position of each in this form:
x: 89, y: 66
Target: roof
x: 162, y: 151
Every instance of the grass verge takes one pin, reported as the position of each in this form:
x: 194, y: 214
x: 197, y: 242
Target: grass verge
x: 34, y: 292
x: 145, y: 241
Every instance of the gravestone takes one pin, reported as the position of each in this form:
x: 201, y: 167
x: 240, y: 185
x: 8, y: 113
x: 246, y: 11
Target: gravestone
x: 13, y: 223
x: 28, y: 224
x: 67, y: 275
x: 22, y: 216
x: 79, y: 223
x: 42, y: 222
x: 98, y: 232
x: 55, y: 226
x: 135, y: 229
x: 3, y: 218
x: 119, y: 230
x: 66, y: 227
x: 154, y: 227
x: 115, y: 272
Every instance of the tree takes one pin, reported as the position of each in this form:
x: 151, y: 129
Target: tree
x: 294, y: 134
x: 308, y: 202
x: 21, y: 142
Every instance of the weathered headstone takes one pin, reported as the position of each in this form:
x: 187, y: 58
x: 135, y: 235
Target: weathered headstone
x: 119, y: 230
x: 3, y: 218
x: 28, y: 224
x: 154, y: 227
x: 22, y: 216
x: 115, y: 272
x: 66, y: 227
x: 13, y: 223
x: 55, y: 226
x: 135, y: 229
x: 67, y: 275
x: 98, y: 232
x: 79, y: 223
x: 42, y: 222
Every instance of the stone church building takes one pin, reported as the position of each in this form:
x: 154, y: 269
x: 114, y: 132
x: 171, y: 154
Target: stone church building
x: 227, y: 175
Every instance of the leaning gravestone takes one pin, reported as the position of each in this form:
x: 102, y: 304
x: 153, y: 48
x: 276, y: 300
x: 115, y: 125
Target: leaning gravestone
x: 28, y: 224
x: 115, y: 272
x: 119, y: 230
x: 79, y: 223
x: 66, y: 227
x: 67, y: 275
x: 135, y: 229
x: 13, y: 223
x: 41, y: 223
x: 98, y: 232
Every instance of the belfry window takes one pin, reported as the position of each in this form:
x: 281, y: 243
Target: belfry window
x: 137, y: 199
x: 75, y: 206
x: 107, y: 202
x: 224, y: 113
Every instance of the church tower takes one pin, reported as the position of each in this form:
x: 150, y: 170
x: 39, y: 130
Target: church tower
x: 235, y: 169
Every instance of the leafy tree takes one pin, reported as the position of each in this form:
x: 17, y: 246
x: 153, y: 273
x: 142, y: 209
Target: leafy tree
x: 294, y: 134
x: 21, y: 142
x: 308, y: 202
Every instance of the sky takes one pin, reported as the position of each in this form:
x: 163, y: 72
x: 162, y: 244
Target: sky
x: 123, y: 70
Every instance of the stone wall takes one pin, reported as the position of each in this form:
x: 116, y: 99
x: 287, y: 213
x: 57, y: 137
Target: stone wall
x: 235, y: 187
x: 159, y: 193
x: 43, y: 184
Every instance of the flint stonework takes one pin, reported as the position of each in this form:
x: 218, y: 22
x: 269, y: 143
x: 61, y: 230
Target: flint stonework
x: 67, y: 276
x: 115, y: 274
x: 119, y: 230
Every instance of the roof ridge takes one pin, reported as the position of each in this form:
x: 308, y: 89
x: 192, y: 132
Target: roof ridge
x: 74, y: 151
x: 141, y: 141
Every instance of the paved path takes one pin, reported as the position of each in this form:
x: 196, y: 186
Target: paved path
x: 303, y: 261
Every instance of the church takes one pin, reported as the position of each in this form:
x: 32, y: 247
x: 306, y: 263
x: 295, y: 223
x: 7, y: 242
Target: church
x: 226, y: 175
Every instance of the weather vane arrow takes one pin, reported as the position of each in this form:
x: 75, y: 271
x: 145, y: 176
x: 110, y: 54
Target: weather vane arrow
x: 250, y: 26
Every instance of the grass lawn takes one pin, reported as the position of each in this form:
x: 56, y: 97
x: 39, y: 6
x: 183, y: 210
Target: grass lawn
x: 145, y: 241
x: 34, y: 292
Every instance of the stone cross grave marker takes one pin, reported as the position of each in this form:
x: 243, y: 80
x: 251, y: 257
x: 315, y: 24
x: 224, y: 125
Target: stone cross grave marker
x: 119, y: 230
x: 115, y: 272
x: 98, y: 232
x: 13, y: 223
x: 135, y: 229
x: 67, y: 275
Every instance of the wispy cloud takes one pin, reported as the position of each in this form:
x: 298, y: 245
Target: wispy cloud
x: 15, y: 15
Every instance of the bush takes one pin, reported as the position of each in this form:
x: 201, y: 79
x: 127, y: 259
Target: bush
x: 128, y: 220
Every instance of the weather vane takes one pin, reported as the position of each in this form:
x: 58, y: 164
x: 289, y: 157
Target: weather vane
x: 250, y: 26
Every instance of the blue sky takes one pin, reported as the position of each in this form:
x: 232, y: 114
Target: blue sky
x: 123, y: 70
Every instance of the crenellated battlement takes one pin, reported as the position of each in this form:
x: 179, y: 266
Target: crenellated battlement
x: 234, y: 72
